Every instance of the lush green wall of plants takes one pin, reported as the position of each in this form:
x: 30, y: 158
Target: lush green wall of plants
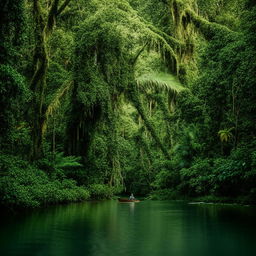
x: 102, y: 97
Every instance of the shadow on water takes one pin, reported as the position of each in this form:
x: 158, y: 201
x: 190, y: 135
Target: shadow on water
x: 148, y: 228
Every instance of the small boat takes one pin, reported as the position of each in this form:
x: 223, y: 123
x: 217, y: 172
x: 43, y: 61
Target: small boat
x: 124, y: 200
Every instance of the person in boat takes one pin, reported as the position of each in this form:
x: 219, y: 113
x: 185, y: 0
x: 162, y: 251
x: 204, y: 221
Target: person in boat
x: 131, y: 197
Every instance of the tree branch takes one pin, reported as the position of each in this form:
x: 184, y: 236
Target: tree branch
x: 62, y: 7
x: 51, y: 20
x: 135, y: 99
x: 139, y: 53
x: 207, y: 28
x: 37, y: 12
x: 173, y: 42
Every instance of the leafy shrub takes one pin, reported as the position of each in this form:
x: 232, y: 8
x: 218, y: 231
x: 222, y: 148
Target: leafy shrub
x: 9, y: 162
x: 165, y: 194
x: 13, y: 95
x: 196, y: 180
x: 23, y: 185
x: 228, y: 176
x: 58, y: 165
x: 166, y: 179
x: 100, y: 191
x: 166, y: 175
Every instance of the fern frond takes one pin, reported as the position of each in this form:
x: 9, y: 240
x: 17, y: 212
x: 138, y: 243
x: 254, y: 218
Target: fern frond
x: 159, y: 82
x: 62, y: 161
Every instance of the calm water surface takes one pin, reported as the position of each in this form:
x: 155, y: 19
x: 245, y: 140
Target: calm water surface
x: 148, y: 228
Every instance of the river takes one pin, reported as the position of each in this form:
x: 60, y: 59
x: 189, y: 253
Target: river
x: 150, y: 228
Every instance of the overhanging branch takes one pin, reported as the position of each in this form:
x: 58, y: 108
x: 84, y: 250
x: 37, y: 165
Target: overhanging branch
x: 139, y: 53
x: 63, y: 6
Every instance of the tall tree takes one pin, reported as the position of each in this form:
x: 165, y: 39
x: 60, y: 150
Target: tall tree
x: 45, y: 21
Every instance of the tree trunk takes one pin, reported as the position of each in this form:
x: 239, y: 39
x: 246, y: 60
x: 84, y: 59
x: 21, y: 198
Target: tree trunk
x: 42, y: 32
x: 148, y: 123
x: 38, y: 82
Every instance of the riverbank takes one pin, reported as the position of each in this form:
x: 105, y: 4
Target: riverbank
x: 33, y: 185
x: 33, y: 188
x: 172, y: 195
x: 225, y: 200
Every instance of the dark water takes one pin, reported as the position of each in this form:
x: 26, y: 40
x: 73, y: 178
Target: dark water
x: 147, y: 228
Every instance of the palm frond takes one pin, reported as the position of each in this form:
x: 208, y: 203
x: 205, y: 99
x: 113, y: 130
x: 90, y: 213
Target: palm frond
x: 225, y: 135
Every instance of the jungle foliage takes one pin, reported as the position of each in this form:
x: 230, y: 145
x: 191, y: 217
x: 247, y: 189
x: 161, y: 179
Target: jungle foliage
x: 99, y: 97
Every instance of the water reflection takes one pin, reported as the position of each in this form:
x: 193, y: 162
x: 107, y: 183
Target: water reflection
x: 132, y: 206
x: 146, y: 228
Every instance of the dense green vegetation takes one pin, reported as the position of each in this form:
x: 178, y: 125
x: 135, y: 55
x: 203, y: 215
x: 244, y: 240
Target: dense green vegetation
x: 99, y: 97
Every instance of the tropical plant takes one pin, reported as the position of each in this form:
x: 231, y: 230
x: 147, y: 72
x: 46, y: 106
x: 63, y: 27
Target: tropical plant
x: 225, y: 135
